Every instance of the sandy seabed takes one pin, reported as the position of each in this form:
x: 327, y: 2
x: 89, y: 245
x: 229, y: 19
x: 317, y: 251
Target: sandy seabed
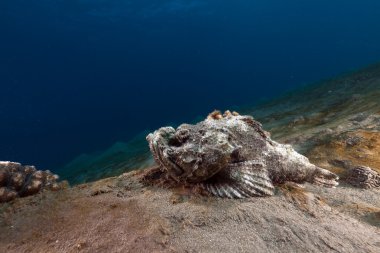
x: 122, y: 215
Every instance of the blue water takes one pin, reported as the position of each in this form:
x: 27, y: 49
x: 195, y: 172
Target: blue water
x: 78, y: 75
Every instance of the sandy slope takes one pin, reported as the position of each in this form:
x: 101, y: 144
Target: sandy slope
x: 335, y: 123
x: 306, y: 118
x: 121, y: 215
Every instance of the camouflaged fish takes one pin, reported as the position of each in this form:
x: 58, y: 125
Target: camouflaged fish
x: 231, y: 156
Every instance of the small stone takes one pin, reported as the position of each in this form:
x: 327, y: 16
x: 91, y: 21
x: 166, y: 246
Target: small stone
x: 81, y: 245
x: 363, y: 177
x: 353, y: 141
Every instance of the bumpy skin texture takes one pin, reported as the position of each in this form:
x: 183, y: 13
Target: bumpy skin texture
x: 20, y: 181
x: 231, y: 156
x: 363, y: 177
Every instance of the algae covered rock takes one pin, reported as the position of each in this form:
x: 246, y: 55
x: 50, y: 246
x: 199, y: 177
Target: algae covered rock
x: 17, y: 180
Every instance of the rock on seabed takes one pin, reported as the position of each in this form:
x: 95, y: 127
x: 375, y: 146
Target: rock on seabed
x: 17, y: 180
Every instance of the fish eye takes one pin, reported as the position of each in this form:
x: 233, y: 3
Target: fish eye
x: 182, y: 135
x: 179, y: 138
x: 174, y: 142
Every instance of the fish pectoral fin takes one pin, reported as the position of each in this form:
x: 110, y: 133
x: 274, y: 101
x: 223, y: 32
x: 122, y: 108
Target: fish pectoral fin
x: 241, y: 180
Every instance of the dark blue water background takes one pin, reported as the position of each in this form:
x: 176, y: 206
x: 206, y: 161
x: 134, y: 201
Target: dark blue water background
x: 78, y: 75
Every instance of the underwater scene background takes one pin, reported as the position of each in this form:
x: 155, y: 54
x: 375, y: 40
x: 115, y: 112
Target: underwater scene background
x: 77, y: 76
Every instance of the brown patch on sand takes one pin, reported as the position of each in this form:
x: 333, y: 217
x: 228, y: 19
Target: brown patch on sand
x: 374, y: 218
x: 360, y: 148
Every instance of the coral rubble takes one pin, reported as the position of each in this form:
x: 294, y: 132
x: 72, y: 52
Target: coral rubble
x: 17, y: 180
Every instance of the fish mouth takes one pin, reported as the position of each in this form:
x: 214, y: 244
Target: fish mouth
x: 162, y: 153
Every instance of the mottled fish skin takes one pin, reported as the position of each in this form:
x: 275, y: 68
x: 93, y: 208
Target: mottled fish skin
x: 231, y: 156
